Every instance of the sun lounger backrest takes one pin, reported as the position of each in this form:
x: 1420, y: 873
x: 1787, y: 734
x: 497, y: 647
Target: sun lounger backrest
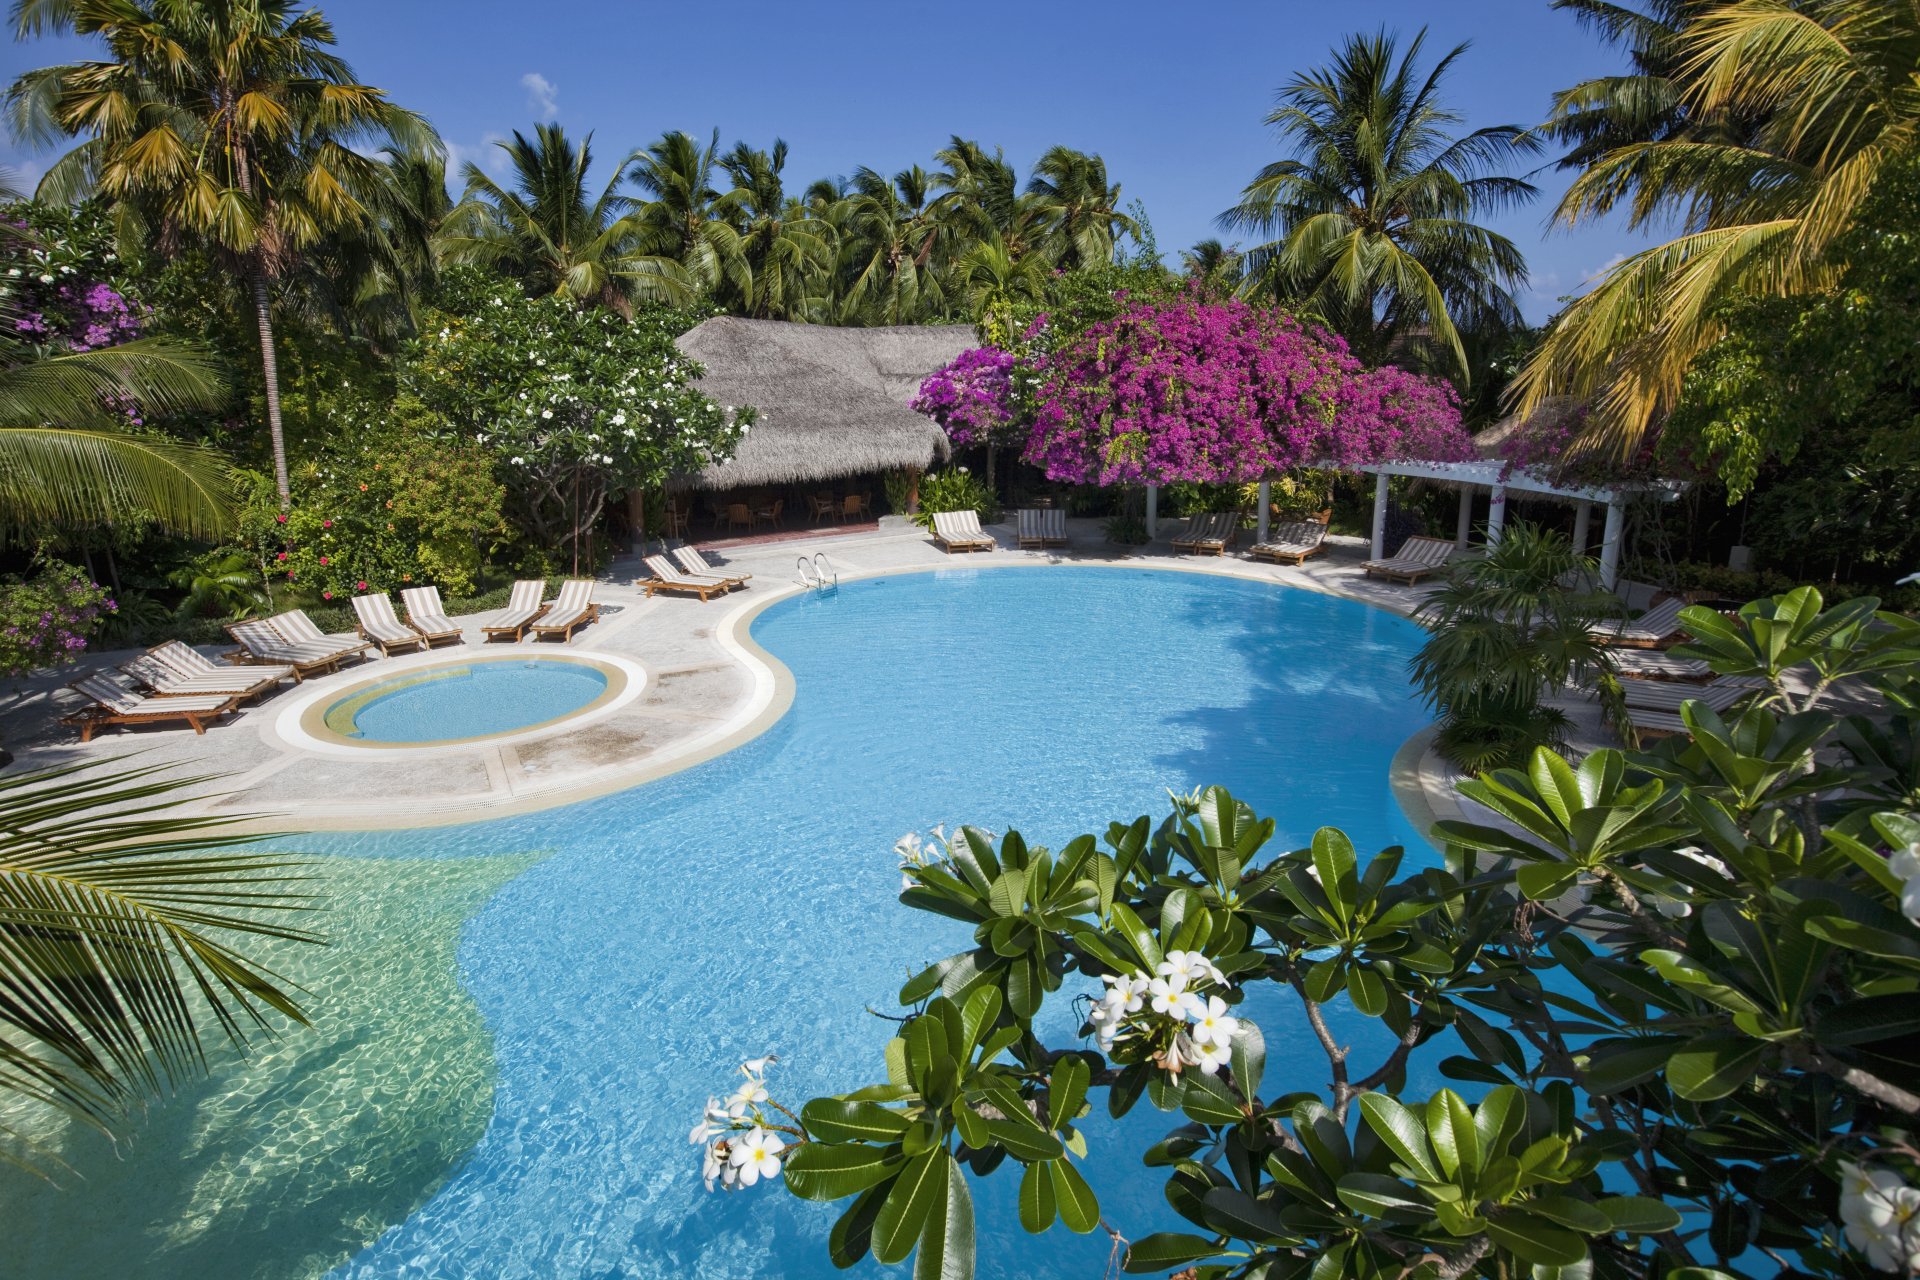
x: 423, y: 602
x: 662, y: 568
x: 968, y: 523
x: 1027, y: 521
x: 258, y: 637
x: 295, y: 625
x: 108, y: 694
x: 1053, y: 523
x: 184, y: 658
x: 150, y: 670
x: 375, y: 612
x: 526, y: 595
x: 574, y: 594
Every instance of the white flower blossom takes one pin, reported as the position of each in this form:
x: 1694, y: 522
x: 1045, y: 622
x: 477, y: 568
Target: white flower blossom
x: 1881, y: 1215
x: 757, y: 1156
x: 1906, y: 865
x: 1212, y: 1025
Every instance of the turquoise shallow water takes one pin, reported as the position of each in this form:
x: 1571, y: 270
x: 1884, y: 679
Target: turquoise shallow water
x: 748, y: 904
x: 473, y: 701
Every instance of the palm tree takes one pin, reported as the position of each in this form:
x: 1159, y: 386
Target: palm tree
x: 1080, y: 210
x: 984, y: 200
x: 788, y: 253
x: 895, y: 236
x: 1791, y: 112
x: 1371, y: 218
x: 230, y: 125
x: 1215, y: 264
x: 687, y: 219
x: 1595, y: 116
x: 991, y: 279
x: 548, y: 232
x: 112, y: 907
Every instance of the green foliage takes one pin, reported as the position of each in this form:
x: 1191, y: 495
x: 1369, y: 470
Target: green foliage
x: 899, y: 489
x: 955, y: 489
x: 1502, y: 631
x: 47, y: 619
x: 223, y: 583
x: 1677, y: 988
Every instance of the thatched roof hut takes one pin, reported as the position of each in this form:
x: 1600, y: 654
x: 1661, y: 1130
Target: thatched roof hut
x: 832, y: 401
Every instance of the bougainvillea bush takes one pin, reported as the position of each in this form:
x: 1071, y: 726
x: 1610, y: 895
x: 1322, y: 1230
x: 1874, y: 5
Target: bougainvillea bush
x: 972, y: 397
x: 47, y: 619
x: 62, y: 289
x: 1219, y: 392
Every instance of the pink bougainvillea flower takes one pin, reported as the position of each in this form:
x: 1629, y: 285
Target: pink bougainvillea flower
x: 359, y: 586
x: 326, y: 524
x: 323, y: 559
x: 282, y: 517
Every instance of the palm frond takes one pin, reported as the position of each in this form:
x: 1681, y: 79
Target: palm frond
x: 68, y: 477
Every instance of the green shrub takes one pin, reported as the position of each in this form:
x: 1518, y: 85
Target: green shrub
x: 46, y: 620
x: 955, y: 489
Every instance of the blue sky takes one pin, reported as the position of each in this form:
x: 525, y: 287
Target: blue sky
x: 1171, y: 96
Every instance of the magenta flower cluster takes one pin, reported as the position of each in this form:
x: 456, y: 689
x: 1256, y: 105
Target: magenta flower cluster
x: 82, y: 318
x: 46, y: 621
x: 971, y: 398
x: 1222, y: 392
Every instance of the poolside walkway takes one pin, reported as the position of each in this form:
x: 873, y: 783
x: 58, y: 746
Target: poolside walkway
x: 708, y: 688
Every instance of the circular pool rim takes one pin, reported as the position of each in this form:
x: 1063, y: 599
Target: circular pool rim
x: 303, y: 722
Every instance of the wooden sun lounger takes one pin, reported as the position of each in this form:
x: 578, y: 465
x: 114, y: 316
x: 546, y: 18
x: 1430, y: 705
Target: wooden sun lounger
x: 667, y: 577
x: 379, y: 625
x: 696, y: 566
x: 525, y: 605
x: 1416, y: 558
x: 571, y: 609
x: 1040, y: 527
x: 428, y: 616
x: 1722, y: 695
x: 960, y: 531
x: 166, y: 681
x: 260, y: 642
x: 189, y: 661
x: 112, y: 704
x: 1292, y: 543
x: 297, y: 627
x: 1657, y: 664
x: 1210, y: 534
x: 1657, y: 628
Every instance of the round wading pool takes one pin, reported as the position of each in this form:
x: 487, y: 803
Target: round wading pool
x: 483, y: 697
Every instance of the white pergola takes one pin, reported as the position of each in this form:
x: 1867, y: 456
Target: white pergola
x: 1495, y: 477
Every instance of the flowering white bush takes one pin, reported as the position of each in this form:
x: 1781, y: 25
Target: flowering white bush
x: 1167, y: 1018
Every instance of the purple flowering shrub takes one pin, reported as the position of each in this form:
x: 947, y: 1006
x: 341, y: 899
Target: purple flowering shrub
x: 971, y: 398
x: 1221, y: 392
x: 46, y: 620
x: 80, y: 317
x: 61, y: 279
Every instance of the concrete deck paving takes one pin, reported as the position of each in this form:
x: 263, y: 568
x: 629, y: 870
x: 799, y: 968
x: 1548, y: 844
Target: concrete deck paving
x: 708, y: 688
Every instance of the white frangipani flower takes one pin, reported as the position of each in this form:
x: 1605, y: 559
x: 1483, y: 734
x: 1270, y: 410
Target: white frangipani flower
x: 1213, y: 1025
x: 1906, y: 865
x: 757, y: 1156
x: 1881, y: 1215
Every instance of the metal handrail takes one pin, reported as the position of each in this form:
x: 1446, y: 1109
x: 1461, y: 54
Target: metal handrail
x: 824, y: 571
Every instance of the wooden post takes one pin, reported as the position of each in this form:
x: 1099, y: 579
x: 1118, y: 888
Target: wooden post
x: 913, y: 491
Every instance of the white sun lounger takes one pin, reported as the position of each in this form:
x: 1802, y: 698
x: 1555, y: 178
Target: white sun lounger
x: 428, y: 616
x: 1657, y: 628
x: 1416, y: 558
x: 1721, y: 695
x: 110, y: 703
x: 572, y: 609
x: 166, y: 679
x: 262, y: 642
x: 189, y: 661
x: 298, y: 628
x: 1657, y: 664
x: 525, y: 604
x: 379, y: 625
x: 1209, y: 534
x: 668, y: 576
x: 1291, y: 543
x: 1040, y: 527
x: 960, y: 531
x: 697, y: 567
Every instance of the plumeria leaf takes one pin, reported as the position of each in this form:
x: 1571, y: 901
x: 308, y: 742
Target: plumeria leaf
x: 1037, y: 1211
x: 921, y: 1185
x: 835, y: 1120
x: 1165, y: 1250
x: 833, y: 1171
x: 1078, y: 1207
x: 1067, y: 1090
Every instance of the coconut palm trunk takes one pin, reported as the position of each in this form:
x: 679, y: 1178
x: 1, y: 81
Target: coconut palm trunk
x: 270, y: 370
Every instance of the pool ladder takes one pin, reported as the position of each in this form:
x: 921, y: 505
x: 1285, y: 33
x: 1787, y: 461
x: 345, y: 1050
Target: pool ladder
x: 817, y: 573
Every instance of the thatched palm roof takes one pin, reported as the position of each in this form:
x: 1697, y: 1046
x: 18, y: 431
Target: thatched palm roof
x: 832, y: 402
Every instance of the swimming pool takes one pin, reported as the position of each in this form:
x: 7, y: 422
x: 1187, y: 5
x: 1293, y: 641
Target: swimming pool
x: 450, y: 702
x: 746, y: 905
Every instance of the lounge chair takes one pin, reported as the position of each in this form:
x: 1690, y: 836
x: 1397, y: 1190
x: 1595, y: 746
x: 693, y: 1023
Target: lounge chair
x: 1041, y: 527
x: 1664, y: 722
x: 1656, y: 664
x: 960, y: 531
x: 190, y: 662
x: 262, y: 642
x: 572, y: 609
x: 668, y: 576
x: 379, y: 625
x: 428, y: 616
x: 1291, y: 543
x: 525, y: 603
x: 166, y: 680
x: 297, y: 627
x: 696, y: 566
x: 1210, y: 534
x: 114, y: 704
x: 1722, y: 695
x: 1416, y: 558
x: 1657, y: 628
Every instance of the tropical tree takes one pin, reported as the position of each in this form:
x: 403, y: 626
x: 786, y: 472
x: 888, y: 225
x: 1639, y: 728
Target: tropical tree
x: 687, y: 218
x: 1640, y: 104
x: 1371, y: 220
x: 788, y: 253
x: 1071, y: 196
x: 1215, y: 264
x: 551, y: 234
x: 231, y: 126
x: 985, y: 201
x: 115, y: 909
x: 1789, y: 115
x: 894, y: 248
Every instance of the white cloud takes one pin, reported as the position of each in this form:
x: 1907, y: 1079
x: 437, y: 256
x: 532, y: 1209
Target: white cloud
x: 1606, y: 266
x: 542, y: 95
x: 486, y: 153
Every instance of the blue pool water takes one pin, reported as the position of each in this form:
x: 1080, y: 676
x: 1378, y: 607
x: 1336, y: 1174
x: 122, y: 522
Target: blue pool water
x: 468, y: 701
x: 748, y: 904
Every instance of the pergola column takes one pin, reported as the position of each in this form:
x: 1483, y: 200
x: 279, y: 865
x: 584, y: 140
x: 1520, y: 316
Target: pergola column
x: 1496, y: 514
x: 1463, y: 527
x: 1380, y: 516
x: 1582, y: 519
x: 1610, y: 544
x: 1153, y: 508
x: 1266, y: 509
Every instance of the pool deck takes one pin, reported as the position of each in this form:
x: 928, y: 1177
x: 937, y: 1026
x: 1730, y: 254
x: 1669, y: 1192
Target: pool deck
x: 708, y: 688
